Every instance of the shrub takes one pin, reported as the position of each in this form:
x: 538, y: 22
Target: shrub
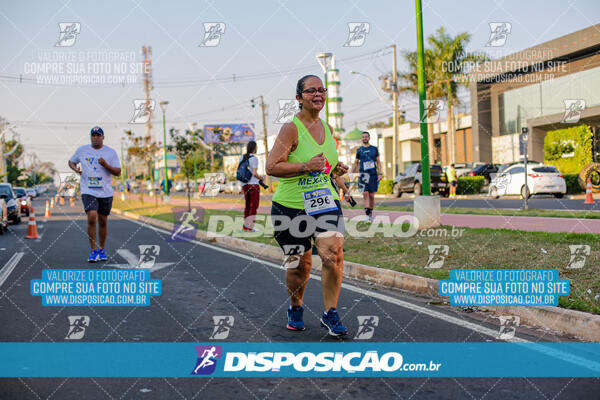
x: 576, y: 140
x: 572, y: 181
x: 386, y: 186
x: 469, y: 184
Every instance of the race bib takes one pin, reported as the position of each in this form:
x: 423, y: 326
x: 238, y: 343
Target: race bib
x: 94, y: 182
x: 368, y: 165
x: 318, y: 201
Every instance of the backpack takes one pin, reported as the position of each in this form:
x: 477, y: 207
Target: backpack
x: 244, y: 174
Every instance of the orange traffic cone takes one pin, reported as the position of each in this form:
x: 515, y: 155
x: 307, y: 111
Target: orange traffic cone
x: 62, y: 201
x: 32, y: 232
x: 589, y: 199
x: 47, y: 214
x: 52, y: 202
x: 72, y: 201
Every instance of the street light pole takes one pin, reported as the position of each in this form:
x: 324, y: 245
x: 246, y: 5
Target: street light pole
x: 395, y: 101
x: 163, y: 107
x: 422, y: 98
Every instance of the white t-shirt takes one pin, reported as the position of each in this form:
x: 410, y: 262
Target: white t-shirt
x: 253, y: 164
x: 95, y: 179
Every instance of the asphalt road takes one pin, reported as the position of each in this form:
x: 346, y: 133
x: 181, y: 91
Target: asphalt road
x: 201, y: 281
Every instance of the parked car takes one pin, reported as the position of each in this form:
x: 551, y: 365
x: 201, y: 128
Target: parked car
x: 484, y: 170
x: 23, y: 200
x: 234, y: 187
x: 541, y: 179
x: 3, y: 217
x: 12, y: 208
x: 463, y: 169
x: 411, y: 180
x: 31, y: 192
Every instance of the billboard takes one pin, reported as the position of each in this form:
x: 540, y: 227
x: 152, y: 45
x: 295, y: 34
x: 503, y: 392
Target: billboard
x: 228, y: 133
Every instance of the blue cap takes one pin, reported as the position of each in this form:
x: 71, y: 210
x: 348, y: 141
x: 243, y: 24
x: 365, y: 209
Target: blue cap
x: 97, y: 130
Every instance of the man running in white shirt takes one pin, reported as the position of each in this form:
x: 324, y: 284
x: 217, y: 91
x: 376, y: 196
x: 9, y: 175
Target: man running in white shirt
x: 98, y: 165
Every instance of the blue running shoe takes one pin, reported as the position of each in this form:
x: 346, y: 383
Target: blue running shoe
x: 295, y: 322
x: 101, y: 255
x: 331, y: 321
x: 93, y: 256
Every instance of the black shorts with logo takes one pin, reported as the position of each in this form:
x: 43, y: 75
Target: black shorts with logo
x: 293, y: 228
x: 101, y: 204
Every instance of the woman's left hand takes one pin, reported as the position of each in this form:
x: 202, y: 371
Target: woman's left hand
x: 340, y: 169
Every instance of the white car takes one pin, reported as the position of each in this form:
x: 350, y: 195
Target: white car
x: 541, y: 179
x: 31, y: 192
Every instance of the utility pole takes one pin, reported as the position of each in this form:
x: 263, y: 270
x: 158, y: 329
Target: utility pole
x: 195, y: 139
x: 122, y: 173
x: 147, y: 72
x: 264, y: 124
x: 422, y: 98
x: 395, y: 114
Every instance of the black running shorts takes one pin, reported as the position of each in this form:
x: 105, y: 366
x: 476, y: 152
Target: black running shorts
x: 101, y: 204
x: 293, y: 228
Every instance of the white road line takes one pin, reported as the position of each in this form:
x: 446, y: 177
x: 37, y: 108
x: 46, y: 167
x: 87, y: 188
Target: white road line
x: 131, y: 259
x: 10, y: 266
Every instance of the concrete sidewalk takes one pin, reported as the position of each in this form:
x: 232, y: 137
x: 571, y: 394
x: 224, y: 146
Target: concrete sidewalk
x: 534, y: 224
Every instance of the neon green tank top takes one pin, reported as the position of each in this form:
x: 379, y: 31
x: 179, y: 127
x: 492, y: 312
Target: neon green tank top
x: 290, y: 192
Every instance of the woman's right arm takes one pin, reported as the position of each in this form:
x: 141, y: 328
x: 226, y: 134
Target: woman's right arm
x: 285, y: 143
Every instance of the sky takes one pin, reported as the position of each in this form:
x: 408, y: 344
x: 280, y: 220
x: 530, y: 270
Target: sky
x: 265, y: 48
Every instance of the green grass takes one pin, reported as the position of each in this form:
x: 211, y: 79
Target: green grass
x: 475, y: 248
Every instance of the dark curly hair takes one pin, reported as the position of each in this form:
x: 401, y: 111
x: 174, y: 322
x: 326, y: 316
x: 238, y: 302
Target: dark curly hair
x: 300, y: 85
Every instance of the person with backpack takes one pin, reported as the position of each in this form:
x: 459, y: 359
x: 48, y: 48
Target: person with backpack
x: 247, y: 173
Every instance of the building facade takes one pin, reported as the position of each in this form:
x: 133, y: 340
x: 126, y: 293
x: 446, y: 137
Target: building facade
x: 550, y: 86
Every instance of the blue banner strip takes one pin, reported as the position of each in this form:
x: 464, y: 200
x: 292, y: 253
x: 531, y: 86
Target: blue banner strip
x: 346, y: 359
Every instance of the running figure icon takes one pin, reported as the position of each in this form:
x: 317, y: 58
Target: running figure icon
x: 207, y: 359
x: 187, y: 218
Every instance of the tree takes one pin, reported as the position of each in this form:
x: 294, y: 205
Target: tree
x: 184, y: 146
x: 143, y: 149
x: 447, y: 63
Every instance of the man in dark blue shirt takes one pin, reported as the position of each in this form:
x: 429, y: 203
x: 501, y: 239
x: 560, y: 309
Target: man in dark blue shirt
x: 368, y: 164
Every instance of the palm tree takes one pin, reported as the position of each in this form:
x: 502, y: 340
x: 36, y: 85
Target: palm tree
x: 433, y: 91
x: 447, y: 63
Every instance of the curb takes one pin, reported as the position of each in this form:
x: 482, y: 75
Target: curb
x: 575, y: 323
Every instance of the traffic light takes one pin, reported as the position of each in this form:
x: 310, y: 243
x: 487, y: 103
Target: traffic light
x: 252, y: 103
